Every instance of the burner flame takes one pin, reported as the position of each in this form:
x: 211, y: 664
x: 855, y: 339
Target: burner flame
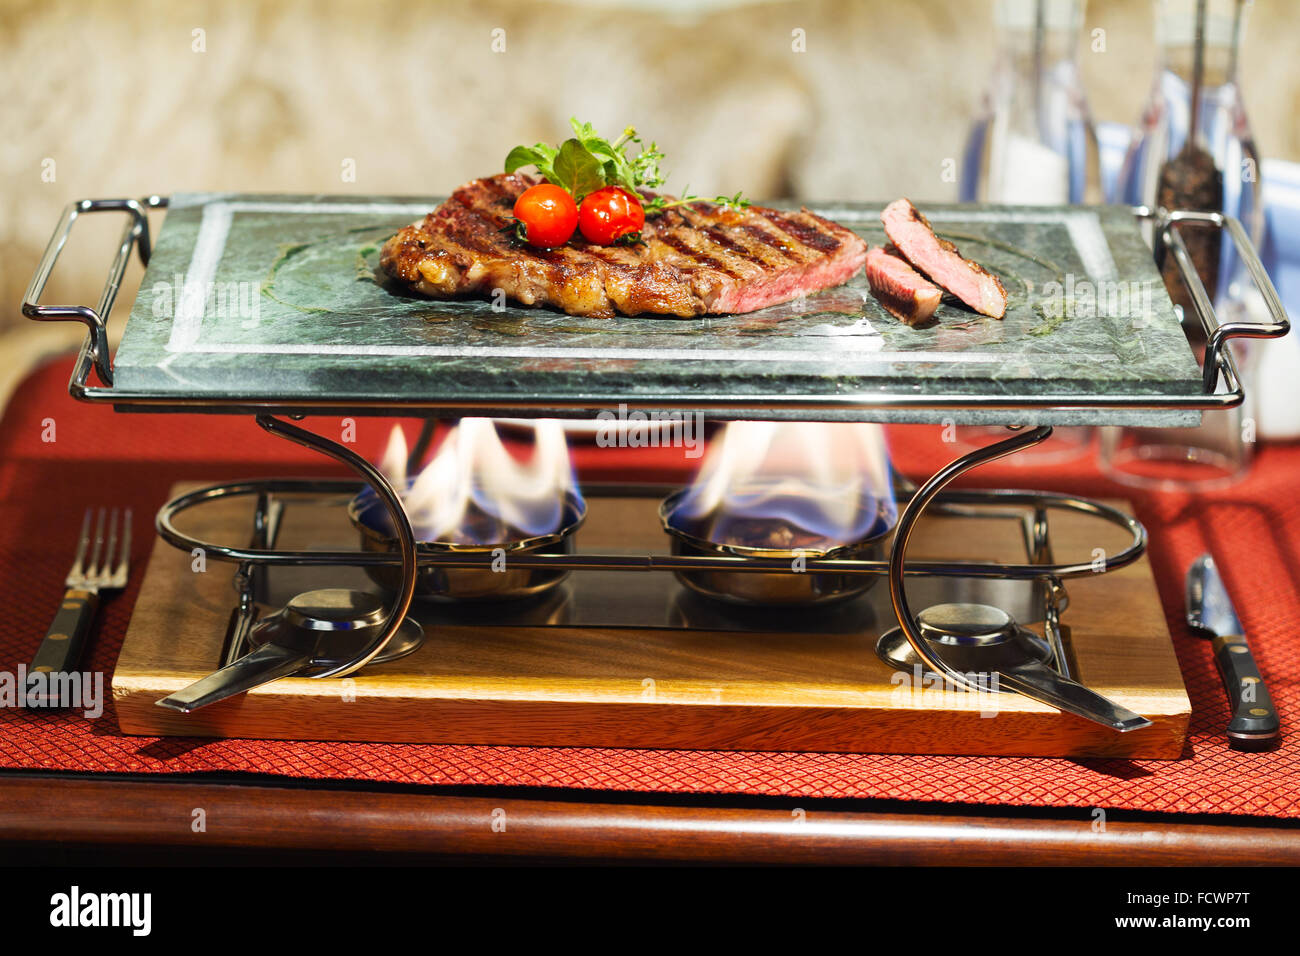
x: 393, y: 464
x: 792, y: 486
x: 475, y: 492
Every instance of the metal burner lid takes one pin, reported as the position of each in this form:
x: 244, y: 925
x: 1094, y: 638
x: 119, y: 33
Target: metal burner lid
x: 334, y: 624
x: 334, y: 609
x: 966, y: 625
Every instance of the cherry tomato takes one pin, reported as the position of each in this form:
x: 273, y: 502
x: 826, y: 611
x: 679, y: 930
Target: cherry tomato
x: 548, y: 213
x: 609, y: 214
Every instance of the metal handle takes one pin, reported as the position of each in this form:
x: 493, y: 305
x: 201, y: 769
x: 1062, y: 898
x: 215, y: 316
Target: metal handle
x: 1041, y: 683
x: 268, y: 663
x: 1217, y: 357
x: 134, y: 234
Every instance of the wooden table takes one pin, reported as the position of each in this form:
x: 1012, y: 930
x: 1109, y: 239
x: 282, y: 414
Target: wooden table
x: 121, y: 818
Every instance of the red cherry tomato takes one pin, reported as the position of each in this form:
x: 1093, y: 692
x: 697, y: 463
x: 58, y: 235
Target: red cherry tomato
x: 548, y: 213
x: 609, y: 214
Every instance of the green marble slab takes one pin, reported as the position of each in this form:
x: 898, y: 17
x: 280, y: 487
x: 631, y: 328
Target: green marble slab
x: 269, y: 298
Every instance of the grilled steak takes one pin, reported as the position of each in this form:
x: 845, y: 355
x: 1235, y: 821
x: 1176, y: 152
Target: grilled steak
x: 695, y: 259
x: 939, y: 259
x: 904, y: 292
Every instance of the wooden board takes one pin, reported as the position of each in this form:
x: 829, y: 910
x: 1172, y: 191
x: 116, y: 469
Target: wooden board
x: 663, y: 687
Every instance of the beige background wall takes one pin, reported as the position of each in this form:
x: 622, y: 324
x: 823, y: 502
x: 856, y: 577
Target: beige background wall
x: 286, y: 91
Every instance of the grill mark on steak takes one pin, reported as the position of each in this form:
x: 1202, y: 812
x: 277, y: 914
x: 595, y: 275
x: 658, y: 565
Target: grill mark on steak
x: 775, y: 243
x: 720, y: 238
x: 487, y: 243
x: 695, y: 258
x: 489, y: 204
x: 454, y: 237
x: 744, y: 259
x: 698, y: 255
x: 605, y: 255
x: 499, y: 191
x: 739, y: 262
x: 478, y: 227
x: 466, y: 234
x: 709, y: 242
x: 481, y: 203
x: 671, y: 218
x: 807, y: 235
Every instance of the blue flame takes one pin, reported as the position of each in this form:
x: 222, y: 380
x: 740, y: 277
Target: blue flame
x: 819, y: 485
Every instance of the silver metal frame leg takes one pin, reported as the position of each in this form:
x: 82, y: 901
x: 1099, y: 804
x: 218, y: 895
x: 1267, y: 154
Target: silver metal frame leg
x: 401, y: 525
x: 906, y: 522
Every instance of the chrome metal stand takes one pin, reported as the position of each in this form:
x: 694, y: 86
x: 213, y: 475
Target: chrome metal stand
x: 403, y: 532
x: 1221, y: 388
x: 998, y: 654
x: 907, y: 519
x: 323, y: 633
x: 1218, y: 363
x: 1030, y: 508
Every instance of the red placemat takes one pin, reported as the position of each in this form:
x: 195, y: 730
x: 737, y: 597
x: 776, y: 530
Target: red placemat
x: 58, y: 456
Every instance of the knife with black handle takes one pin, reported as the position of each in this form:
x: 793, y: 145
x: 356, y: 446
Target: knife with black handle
x: 1254, y: 724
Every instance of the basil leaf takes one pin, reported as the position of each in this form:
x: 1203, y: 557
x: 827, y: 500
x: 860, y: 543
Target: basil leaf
x: 577, y: 170
x: 522, y: 156
x: 541, y: 155
x: 599, y: 147
x: 618, y: 169
x: 596, y: 144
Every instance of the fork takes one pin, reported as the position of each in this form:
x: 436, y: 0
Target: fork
x: 61, y: 649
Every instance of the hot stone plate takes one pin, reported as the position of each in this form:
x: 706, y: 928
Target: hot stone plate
x: 254, y: 299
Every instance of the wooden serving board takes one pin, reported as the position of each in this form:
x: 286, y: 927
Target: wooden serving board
x: 662, y: 687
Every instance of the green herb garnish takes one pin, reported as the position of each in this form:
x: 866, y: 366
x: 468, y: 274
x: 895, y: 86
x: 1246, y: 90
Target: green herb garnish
x: 588, y: 161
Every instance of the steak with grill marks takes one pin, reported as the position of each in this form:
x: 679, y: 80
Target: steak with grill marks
x: 695, y: 259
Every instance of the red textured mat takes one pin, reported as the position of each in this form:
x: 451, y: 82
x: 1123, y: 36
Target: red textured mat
x: 98, y: 457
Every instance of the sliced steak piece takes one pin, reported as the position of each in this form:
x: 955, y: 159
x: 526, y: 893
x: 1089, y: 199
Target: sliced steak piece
x: 905, y: 293
x: 695, y: 259
x: 939, y: 259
